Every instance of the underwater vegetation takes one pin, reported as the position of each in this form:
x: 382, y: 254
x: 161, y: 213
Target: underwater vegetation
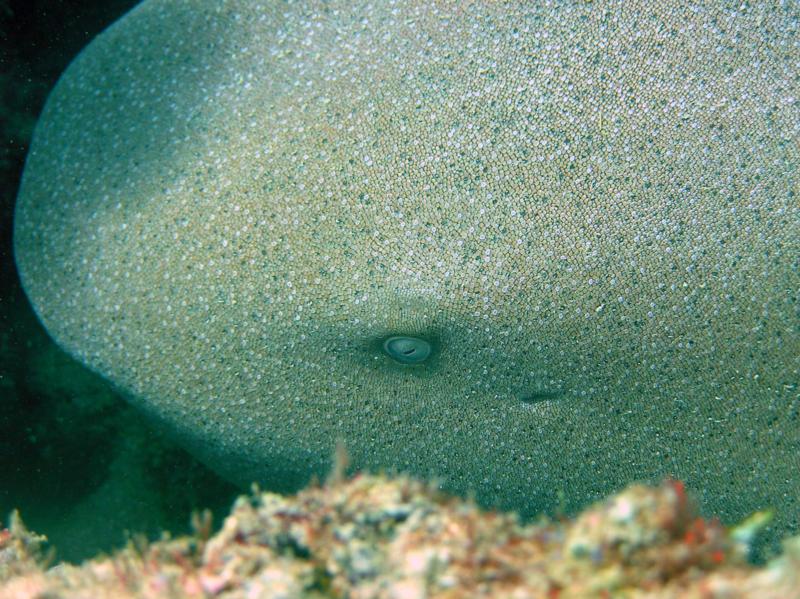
x: 538, y: 251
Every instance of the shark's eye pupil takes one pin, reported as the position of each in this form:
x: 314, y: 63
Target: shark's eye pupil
x: 407, y: 350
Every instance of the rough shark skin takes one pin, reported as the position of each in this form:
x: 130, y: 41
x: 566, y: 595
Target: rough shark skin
x: 587, y: 210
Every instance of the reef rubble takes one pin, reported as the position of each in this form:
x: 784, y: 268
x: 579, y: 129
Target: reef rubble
x: 374, y: 536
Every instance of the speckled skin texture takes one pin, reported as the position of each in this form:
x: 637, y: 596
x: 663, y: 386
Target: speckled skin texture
x: 590, y: 210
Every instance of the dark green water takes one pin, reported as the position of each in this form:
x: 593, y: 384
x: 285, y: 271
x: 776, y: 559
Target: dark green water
x: 79, y: 463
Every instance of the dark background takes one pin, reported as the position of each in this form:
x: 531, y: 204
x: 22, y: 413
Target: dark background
x: 82, y: 466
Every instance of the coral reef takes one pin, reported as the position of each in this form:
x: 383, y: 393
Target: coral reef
x: 378, y: 537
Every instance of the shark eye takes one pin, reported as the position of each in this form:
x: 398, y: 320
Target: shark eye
x: 407, y: 350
